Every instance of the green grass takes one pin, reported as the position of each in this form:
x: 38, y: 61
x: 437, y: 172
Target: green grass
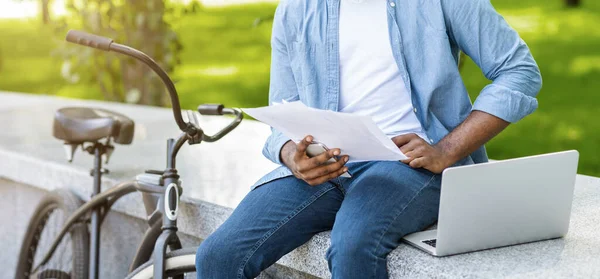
x: 566, y: 45
x: 226, y: 60
x: 25, y: 61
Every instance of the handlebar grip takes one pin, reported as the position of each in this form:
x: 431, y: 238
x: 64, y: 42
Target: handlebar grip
x: 87, y: 39
x: 211, y: 109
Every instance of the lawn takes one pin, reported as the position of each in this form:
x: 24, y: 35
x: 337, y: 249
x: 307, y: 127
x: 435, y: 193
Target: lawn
x: 226, y: 60
x: 566, y: 45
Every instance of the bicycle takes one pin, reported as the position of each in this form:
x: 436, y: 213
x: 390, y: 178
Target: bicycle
x: 95, y: 130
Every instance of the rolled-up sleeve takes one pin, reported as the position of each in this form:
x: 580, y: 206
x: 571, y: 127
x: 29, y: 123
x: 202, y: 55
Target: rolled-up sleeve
x: 504, y: 58
x: 273, y: 146
x: 282, y: 84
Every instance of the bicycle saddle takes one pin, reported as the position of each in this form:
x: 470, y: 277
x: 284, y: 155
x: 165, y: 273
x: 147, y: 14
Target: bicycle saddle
x: 78, y: 125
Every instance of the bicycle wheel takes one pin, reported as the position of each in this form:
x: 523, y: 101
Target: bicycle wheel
x: 70, y: 259
x: 177, y: 263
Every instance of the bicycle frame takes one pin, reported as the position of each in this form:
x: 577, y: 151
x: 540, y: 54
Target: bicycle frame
x: 160, y: 199
x: 159, y: 235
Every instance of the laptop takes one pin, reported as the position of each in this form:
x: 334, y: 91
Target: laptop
x: 502, y: 203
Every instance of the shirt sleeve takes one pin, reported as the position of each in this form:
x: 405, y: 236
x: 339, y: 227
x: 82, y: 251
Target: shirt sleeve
x: 504, y: 58
x: 282, y: 84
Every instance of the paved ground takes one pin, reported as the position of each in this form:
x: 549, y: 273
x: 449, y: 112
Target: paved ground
x: 220, y: 172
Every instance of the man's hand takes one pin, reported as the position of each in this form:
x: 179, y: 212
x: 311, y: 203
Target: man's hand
x: 313, y: 171
x: 422, y: 155
x: 476, y: 130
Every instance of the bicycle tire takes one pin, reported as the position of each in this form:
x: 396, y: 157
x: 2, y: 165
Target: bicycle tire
x: 68, y: 202
x: 177, y: 263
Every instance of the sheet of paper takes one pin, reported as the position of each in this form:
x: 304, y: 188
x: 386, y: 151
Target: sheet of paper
x: 356, y: 135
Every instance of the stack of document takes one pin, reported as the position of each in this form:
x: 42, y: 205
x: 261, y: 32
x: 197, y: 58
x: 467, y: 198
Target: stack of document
x: 356, y: 135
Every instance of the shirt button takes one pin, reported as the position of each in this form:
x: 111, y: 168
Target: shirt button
x: 415, y: 110
x: 431, y: 140
x: 392, y: 4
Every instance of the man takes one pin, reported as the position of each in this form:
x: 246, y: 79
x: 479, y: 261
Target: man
x: 396, y: 61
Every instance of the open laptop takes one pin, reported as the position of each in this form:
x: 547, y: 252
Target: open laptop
x: 502, y: 203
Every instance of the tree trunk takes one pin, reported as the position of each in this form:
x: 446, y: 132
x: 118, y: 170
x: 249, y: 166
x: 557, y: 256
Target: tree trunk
x: 572, y: 3
x: 45, y: 10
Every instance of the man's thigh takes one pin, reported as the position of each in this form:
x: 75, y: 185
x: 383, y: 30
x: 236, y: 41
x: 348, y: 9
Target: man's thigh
x: 385, y: 201
x: 274, y: 219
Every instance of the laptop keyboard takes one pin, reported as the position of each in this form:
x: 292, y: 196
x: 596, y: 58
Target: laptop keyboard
x: 430, y: 242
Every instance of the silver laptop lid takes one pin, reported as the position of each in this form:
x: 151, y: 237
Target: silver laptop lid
x: 506, y: 202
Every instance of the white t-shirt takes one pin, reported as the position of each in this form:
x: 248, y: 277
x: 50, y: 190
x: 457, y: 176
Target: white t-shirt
x: 370, y: 81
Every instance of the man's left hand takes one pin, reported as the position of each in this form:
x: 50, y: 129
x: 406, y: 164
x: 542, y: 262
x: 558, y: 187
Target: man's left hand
x: 421, y: 154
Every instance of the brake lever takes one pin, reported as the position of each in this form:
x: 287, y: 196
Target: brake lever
x: 212, y: 109
x: 193, y: 120
x: 239, y: 116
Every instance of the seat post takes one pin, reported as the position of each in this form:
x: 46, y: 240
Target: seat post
x: 99, y: 150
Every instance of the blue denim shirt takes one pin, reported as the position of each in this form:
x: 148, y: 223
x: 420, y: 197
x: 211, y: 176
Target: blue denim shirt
x: 426, y: 37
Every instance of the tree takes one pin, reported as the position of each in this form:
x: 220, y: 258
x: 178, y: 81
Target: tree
x: 137, y: 23
x: 45, y: 10
x: 572, y: 3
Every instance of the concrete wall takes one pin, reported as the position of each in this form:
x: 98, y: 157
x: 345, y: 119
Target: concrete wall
x: 213, y: 186
x: 119, y: 237
x: 17, y: 203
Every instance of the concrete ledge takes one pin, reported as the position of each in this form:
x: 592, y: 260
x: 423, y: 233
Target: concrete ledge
x: 214, y: 184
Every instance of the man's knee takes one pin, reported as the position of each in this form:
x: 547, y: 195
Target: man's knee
x: 213, y: 257
x: 206, y: 254
x: 356, y: 254
x: 348, y: 247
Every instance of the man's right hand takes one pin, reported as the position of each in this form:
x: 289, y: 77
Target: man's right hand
x: 314, y: 171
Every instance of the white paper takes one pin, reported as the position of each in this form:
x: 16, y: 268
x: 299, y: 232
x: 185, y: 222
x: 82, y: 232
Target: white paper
x: 357, y: 136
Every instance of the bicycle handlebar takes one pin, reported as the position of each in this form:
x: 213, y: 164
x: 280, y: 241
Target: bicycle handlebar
x: 211, y: 109
x: 106, y: 44
x: 91, y: 40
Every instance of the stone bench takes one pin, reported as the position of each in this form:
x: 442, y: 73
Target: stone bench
x: 214, y: 184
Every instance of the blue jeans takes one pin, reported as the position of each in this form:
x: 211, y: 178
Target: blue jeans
x: 368, y: 215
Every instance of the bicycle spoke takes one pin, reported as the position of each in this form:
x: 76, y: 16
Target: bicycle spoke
x: 45, y: 225
x: 60, y: 262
